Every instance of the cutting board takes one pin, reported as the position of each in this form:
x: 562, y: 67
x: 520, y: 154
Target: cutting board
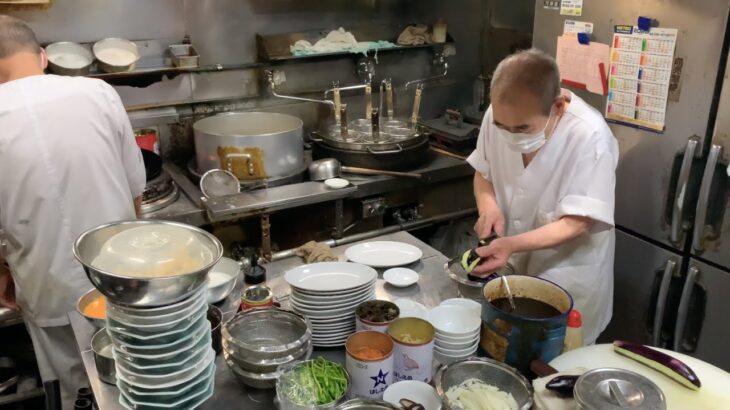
x: 714, y: 393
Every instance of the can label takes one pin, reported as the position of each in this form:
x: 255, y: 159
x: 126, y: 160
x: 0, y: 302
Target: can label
x: 147, y: 139
x: 257, y: 297
x: 413, y: 362
x: 369, y: 380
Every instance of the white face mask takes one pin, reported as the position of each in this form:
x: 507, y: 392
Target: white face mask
x: 522, y: 142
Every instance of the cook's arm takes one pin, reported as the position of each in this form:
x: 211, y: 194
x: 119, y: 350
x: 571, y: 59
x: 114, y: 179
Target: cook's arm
x: 491, y: 218
x: 550, y: 235
x: 497, y: 253
x: 7, y: 291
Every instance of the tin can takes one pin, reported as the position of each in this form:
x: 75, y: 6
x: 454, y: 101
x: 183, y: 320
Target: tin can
x: 147, y: 139
x: 366, y: 307
x: 369, y: 375
x: 413, y: 349
x: 257, y: 297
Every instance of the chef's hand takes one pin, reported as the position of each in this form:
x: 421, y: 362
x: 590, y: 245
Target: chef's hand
x: 494, y: 256
x: 488, y: 222
x: 7, y: 289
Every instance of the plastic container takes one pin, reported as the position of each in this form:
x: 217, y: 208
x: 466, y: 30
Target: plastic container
x: 574, y: 332
x: 413, y: 338
x: 369, y: 378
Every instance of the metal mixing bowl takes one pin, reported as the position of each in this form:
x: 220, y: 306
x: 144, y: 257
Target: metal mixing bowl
x: 505, y: 378
x: 59, y: 65
x: 101, y: 346
x: 135, y: 291
x: 267, y: 333
x: 84, y: 300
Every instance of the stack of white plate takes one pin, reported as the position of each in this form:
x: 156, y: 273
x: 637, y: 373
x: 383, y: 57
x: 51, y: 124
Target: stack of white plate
x: 457, y: 333
x: 328, y: 293
x: 163, y: 355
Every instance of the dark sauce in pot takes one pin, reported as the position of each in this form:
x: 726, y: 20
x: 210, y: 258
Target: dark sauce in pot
x: 526, y: 307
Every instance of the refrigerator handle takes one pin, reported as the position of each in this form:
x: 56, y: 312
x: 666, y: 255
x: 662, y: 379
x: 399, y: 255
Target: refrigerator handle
x: 661, y: 302
x: 704, y: 198
x: 675, y: 234
x: 684, y: 306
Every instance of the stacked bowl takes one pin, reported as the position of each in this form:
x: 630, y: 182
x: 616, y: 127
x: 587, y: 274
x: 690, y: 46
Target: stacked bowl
x: 256, y: 343
x: 457, y: 333
x: 153, y: 275
x: 328, y: 294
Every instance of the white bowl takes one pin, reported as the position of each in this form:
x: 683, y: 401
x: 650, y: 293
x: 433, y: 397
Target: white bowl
x: 447, y: 359
x: 409, y: 308
x: 336, y: 183
x: 472, y: 305
x: 400, y: 277
x: 455, y: 346
x: 415, y: 391
x: 454, y: 321
x: 458, y: 339
x: 458, y: 352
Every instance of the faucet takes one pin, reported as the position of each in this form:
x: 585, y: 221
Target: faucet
x: 271, y: 78
x: 438, y: 61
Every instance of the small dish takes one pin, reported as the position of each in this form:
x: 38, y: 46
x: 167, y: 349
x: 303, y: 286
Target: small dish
x: 400, y: 277
x: 415, y: 391
x: 336, y: 183
x: 454, y: 321
x: 409, y: 308
x: 472, y: 305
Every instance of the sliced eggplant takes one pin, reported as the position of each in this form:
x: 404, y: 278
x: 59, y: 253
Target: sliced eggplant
x: 562, y: 385
x: 659, y: 361
x: 469, y: 260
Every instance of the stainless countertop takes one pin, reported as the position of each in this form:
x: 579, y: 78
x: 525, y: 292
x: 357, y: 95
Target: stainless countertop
x: 433, y: 287
x: 187, y: 209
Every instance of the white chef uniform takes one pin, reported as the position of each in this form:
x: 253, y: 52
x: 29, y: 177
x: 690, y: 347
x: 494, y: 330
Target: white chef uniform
x: 68, y: 162
x: 572, y: 174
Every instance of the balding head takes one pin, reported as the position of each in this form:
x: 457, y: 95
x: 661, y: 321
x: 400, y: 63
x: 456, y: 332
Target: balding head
x: 16, y: 36
x: 529, y: 73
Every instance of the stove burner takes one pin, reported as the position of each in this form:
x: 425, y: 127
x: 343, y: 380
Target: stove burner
x: 159, y: 193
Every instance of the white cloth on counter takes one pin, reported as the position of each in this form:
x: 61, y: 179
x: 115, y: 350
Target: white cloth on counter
x: 68, y: 162
x: 572, y: 174
x: 548, y: 400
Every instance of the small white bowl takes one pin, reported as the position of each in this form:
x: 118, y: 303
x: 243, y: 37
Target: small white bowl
x: 400, y: 277
x: 472, y: 305
x: 445, y: 360
x: 415, y: 391
x: 409, y: 308
x: 455, y: 346
x: 470, y: 338
x: 336, y: 183
x: 458, y: 353
x: 454, y: 321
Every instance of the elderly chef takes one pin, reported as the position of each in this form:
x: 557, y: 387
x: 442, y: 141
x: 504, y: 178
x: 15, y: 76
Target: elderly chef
x: 545, y: 173
x: 68, y: 162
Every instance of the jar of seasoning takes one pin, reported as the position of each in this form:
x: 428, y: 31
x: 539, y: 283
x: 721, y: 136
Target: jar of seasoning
x: 257, y: 297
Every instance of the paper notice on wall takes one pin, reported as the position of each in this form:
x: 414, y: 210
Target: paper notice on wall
x: 583, y: 66
x: 571, y: 7
x: 575, y: 26
x: 639, y: 76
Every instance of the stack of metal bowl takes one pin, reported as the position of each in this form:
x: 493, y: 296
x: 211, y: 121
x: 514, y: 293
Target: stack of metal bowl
x: 158, y: 325
x: 257, y: 342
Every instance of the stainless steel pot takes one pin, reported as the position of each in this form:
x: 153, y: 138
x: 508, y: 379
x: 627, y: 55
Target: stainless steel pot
x: 251, y: 145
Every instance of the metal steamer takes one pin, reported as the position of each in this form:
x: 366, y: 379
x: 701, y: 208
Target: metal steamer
x: 380, y: 140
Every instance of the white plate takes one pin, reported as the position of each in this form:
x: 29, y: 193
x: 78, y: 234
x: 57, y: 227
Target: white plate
x: 400, y: 277
x: 336, y: 183
x: 333, y: 294
x: 303, y: 300
x: 330, y: 276
x: 409, y: 308
x: 383, y: 254
x: 354, y: 302
x: 325, y: 314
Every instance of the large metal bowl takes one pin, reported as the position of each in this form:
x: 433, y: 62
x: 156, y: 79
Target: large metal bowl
x: 500, y: 375
x: 67, y: 58
x: 267, y: 334
x: 135, y: 291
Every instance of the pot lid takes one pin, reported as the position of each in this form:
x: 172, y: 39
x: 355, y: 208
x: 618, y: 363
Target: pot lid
x: 617, y: 389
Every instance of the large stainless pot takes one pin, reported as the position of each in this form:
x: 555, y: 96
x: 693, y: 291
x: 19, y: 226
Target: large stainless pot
x: 252, y: 145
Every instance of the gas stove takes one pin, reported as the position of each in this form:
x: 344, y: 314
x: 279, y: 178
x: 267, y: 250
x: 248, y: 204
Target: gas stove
x: 159, y: 192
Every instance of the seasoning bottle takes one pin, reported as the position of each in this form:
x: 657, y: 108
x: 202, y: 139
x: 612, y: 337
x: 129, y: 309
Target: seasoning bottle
x: 574, y: 332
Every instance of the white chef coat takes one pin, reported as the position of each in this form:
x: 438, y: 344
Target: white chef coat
x: 68, y: 162
x: 572, y: 174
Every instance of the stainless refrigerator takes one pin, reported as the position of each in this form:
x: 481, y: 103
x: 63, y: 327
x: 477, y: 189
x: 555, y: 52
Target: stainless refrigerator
x: 672, y: 266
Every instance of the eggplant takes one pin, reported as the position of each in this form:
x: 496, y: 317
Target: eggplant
x: 469, y: 260
x: 659, y: 361
x: 562, y: 385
